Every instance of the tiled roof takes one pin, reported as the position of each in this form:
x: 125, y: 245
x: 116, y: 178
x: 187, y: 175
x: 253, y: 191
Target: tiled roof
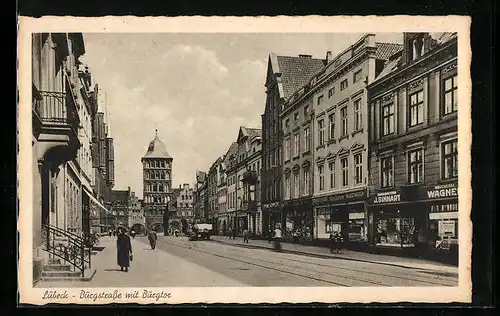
x: 231, y: 151
x: 119, y: 195
x: 445, y: 37
x: 386, y: 50
x: 157, y: 149
x: 296, y: 72
x: 389, y: 67
x: 254, y: 132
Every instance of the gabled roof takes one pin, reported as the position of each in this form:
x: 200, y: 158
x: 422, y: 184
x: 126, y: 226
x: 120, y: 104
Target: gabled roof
x: 386, y: 50
x: 232, y: 150
x: 295, y: 71
x: 251, y: 133
x: 200, y: 176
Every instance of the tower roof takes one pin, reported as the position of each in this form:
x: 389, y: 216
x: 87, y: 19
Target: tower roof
x: 157, y: 149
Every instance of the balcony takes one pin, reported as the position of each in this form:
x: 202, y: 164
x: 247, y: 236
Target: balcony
x: 250, y: 177
x: 55, y: 121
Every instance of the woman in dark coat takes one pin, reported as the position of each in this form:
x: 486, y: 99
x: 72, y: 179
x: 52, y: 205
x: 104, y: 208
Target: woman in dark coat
x: 152, y: 238
x: 124, y: 250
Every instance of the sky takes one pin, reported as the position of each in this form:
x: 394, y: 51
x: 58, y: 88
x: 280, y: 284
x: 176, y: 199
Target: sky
x: 196, y: 89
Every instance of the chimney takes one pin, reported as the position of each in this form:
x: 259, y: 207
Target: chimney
x: 305, y: 56
x: 328, y: 56
x: 180, y: 186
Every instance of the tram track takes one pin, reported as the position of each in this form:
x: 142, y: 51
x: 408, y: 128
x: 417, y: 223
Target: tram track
x: 283, y: 265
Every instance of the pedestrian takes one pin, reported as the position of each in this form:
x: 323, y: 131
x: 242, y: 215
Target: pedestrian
x: 109, y: 233
x: 338, y: 241
x: 229, y: 233
x: 132, y: 234
x: 124, y: 250
x: 234, y: 233
x: 270, y: 235
x: 245, y: 235
x: 114, y: 233
x: 152, y: 236
x: 333, y: 240
x: 277, y: 238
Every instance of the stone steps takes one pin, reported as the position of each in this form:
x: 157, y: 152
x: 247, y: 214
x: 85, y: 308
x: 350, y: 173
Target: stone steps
x: 57, y: 267
x: 71, y: 276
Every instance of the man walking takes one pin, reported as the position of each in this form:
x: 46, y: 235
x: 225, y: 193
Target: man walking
x: 152, y: 236
x: 245, y: 235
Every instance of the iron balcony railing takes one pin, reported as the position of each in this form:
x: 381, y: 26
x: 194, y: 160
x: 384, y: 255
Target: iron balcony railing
x: 69, y: 247
x: 55, y: 108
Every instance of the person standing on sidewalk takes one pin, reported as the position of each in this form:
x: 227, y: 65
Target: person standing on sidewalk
x: 333, y: 242
x: 277, y: 238
x: 152, y: 236
x: 245, y: 235
x: 124, y: 250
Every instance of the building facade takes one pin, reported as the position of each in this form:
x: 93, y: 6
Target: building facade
x: 213, y: 180
x: 199, y: 194
x: 340, y: 139
x: 157, y: 183
x: 414, y: 146
x: 227, y: 190
x: 285, y: 74
x: 136, y: 220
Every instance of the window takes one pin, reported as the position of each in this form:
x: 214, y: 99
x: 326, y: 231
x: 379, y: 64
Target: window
x: 296, y: 145
x: 331, y: 92
x: 387, y: 179
x: 416, y: 109
x: 358, y: 115
x: 358, y: 165
x: 306, y: 111
x: 287, y: 149
x: 449, y: 160
x: 296, y: 116
x: 331, y: 168
x: 307, y: 143
x: 321, y: 171
x: 415, y: 166
x: 387, y: 123
x: 345, y: 171
x: 321, y: 132
x: 344, y: 84
x: 306, y: 182
x: 287, y: 186
x: 287, y: 123
x: 296, y: 185
x: 320, y: 99
x: 155, y: 188
x: 343, y: 117
x: 357, y: 75
x: 450, y: 95
x: 331, y: 130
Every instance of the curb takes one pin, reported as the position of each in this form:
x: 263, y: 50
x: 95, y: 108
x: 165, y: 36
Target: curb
x: 308, y: 254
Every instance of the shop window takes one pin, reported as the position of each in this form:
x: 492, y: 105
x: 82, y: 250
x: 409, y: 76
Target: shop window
x: 387, y: 172
x: 450, y: 95
x: 358, y: 115
x: 343, y: 117
x: 387, y: 119
x: 415, y: 166
x: 416, y: 108
x: 321, y: 132
x: 331, y: 226
x: 321, y: 171
x: 331, y: 130
x: 331, y: 168
x: 358, y: 165
x: 449, y: 159
x: 307, y: 139
x: 344, y: 163
x: 396, y: 231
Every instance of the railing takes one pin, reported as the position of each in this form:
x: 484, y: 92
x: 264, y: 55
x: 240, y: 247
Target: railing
x: 67, y: 246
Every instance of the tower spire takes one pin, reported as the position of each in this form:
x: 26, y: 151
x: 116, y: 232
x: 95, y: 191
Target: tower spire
x: 156, y: 132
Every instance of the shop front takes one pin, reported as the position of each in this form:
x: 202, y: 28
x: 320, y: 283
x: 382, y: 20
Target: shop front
x: 299, y: 219
x: 421, y: 217
x: 271, y: 217
x: 343, y: 213
x: 241, y: 222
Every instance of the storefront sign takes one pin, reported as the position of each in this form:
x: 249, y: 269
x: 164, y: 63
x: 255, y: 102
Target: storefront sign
x: 356, y: 215
x: 446, y: 228
x: 359, y: 195
x: 442, y: 191
x: 274, y: 205
x: 387, y: 197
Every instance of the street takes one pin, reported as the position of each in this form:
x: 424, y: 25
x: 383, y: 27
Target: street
x: 178, y: 262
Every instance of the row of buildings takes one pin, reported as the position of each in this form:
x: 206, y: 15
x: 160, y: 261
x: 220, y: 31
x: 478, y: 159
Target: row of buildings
x: 72, y: 151
x: 363, y: 143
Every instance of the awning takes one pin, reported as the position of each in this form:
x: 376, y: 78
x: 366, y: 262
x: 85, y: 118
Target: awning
x: 93, y: 199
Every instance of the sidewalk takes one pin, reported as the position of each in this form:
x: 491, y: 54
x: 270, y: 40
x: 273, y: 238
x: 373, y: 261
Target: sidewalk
x: 149, y: 268
x: 413, y: 263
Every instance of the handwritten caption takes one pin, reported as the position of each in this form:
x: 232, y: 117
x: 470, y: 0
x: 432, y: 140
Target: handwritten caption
x: 115, y: 295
